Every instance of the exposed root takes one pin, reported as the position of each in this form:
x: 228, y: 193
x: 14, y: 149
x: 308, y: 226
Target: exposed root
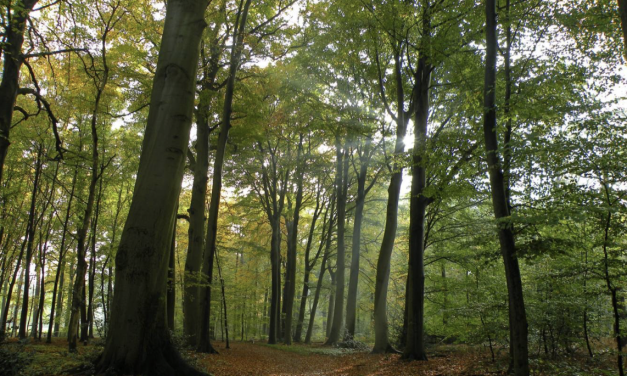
x: 207, y: 349
x: 414, y: 357
x: 166, y: 362
x: 387, y: 350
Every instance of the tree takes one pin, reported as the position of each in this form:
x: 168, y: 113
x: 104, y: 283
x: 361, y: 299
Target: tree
x: 517, y: 315
x: 138, y: 340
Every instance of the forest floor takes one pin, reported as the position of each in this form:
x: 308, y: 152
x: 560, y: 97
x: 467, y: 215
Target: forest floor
x: 246, y: 358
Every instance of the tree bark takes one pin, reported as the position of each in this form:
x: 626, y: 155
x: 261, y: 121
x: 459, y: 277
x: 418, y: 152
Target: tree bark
x: 517, y: 315
x: 138, y: 341
x: 13, y: 60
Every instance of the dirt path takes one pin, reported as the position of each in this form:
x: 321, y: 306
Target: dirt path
x: 261, y: 359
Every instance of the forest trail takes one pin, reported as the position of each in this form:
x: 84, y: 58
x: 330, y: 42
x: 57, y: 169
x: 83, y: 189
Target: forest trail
x: 262, y: 359
x: 248, y: 359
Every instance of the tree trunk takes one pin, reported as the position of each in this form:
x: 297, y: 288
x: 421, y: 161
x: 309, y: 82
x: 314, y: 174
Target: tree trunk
x: 29, y: 244
x: 92, y: 262
x: 226, y: 320
x: 308, y: 268
x: 204, y: 343
x: 196, y: 232
x: 351, y: 299
x: 59, y: 278
x: 292, y: 243
x: 78, y: 291
x: 517, y: 315
x: 13, y: 59
x: 382, y: 342
x: 342, y: 188
x: 415, y: 295
x: 331, y: 306
x: 138, y: 341
x: 323, y: 267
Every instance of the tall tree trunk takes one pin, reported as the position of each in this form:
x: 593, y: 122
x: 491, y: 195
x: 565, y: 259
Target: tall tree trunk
x: 196, y: 232
x: 226, y: 320
x: 415, y: 295
x: 292, y: 243
x: 351, y: 299
x: 323, y: 267
x: 517, y: 315
x: 138, y: 341
x: 308, y: 267
x: 13, y: 60
x: 20, y: 286
x: 92, y: 262
x: 29, y: 244
x: 204, y: 343
x: 382, y: 342
x: 57, y: 310
x: 342, y: 189
x: 78, y: 291
x: 275, y: 296
x: 331, y: 306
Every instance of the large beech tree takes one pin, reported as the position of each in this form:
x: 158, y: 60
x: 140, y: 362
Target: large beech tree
x: 138, y: 340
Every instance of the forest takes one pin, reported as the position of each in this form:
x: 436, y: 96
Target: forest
x: 313, y: 187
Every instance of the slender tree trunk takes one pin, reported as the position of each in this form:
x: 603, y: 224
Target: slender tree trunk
x: 204, y: 344
x: 342, y: 188
x: 196, y: 232
x: 17, y: 305
x: 275, y: 297
x: 138, y: 341
x: 323, y: 267
x: 13, y: 60
x: 308, y: 268
x: 331, y: 306
x: 35, y: 307
x: 382, y: 342
x: 351, y: 299
x: 264, y: 327
x: 415, y: 296
x: 518, y: 318
x: 92, y: 262
x: 226, y: 321
x: 292, y: 243
x: 7, y: 305
x: 29, y: 244
x: 78, y: 291
x: 59, y: 278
